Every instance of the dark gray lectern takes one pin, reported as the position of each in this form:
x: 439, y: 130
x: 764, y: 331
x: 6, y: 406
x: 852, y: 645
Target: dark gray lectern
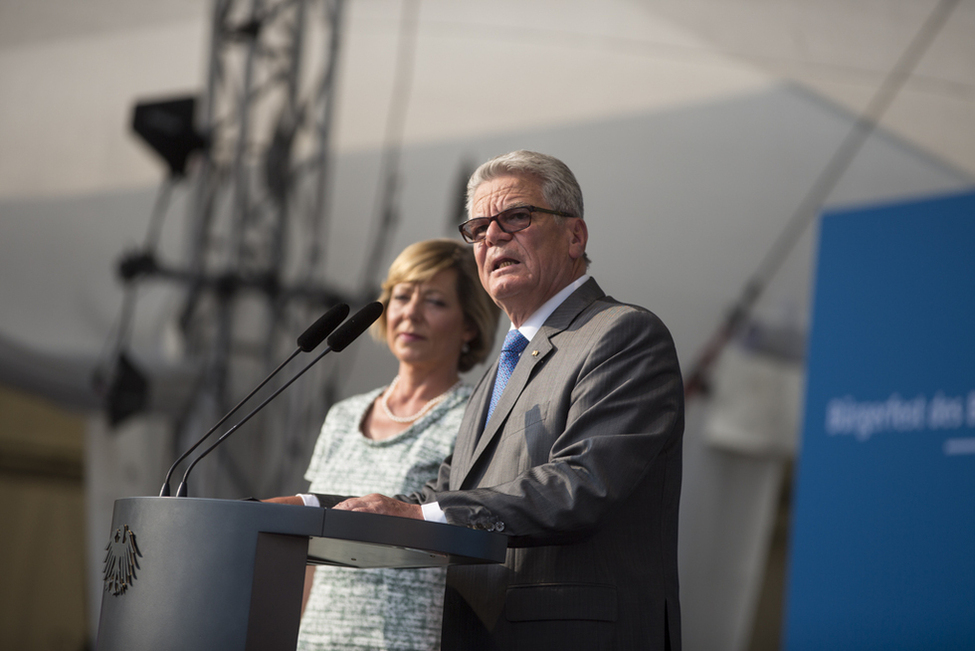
x: 185, y: 573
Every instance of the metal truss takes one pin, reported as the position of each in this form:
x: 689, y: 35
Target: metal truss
x: 258, y: 224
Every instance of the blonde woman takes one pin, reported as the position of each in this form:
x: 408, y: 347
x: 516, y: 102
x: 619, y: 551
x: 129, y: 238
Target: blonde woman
x: 438, y: 323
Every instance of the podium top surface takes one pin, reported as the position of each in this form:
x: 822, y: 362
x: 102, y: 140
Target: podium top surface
x: 342, y: 538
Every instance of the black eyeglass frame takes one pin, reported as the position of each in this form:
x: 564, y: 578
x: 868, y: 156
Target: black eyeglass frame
x: 465, y: 227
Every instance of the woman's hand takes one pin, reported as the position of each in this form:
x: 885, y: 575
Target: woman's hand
x: 288, y: 499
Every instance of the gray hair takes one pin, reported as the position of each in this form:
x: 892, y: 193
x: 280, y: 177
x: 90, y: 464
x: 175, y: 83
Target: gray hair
x: 559, y: 186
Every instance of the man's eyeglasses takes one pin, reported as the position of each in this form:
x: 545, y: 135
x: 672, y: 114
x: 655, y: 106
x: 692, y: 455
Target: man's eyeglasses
x: 511, y: 220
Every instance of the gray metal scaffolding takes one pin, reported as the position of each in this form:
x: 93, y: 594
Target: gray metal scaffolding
x: 258, y: 226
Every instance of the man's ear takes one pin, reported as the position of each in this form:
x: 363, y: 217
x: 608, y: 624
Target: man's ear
x: 578, y: 237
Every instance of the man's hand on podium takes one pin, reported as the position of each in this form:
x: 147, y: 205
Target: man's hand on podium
x: 376, y: 503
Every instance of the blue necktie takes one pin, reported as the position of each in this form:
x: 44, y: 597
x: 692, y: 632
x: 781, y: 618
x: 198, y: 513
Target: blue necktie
x: 514, y: 344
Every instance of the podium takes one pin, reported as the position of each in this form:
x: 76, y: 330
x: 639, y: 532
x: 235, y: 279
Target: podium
x: 188, y: 573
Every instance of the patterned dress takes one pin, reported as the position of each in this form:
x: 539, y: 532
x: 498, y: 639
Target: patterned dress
x: 390, y: 609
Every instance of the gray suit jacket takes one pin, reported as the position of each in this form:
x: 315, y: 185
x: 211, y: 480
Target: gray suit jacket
x: 580, y: 466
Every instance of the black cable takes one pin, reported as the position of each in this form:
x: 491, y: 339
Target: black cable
x: 123, y: 328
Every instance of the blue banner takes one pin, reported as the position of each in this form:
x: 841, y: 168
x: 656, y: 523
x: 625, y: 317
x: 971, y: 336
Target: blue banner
x: 883, y: 534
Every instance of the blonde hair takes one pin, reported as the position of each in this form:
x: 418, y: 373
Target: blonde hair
x: 422, y: 261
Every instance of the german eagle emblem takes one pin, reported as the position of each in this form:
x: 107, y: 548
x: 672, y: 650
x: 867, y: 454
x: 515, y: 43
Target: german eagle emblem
x: 121, y: 561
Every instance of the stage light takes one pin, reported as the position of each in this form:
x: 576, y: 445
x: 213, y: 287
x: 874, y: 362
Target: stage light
x: 167, y: 126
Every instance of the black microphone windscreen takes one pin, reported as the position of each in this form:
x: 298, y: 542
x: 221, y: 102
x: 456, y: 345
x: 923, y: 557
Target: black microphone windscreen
x: 355, y: 326
x: 316, y: 332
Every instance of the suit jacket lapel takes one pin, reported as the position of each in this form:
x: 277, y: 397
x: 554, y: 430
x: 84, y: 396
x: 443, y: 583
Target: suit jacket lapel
x: 463, y: 456
x: 538, y: 349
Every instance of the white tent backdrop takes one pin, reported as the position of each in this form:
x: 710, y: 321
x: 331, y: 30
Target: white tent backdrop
x: 695, y: 129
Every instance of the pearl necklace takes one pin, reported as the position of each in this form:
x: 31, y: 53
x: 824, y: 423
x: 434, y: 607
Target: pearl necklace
x: 430, y: 404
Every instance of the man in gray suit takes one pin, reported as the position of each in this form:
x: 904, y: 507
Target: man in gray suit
x: 577, y: 458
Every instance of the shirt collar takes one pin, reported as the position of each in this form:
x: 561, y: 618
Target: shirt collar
x: 534, y: 323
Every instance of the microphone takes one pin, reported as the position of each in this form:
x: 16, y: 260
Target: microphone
x: 337, y: 341
x: 355, y: 326
x: 316, y: 332
x: 307, y: 341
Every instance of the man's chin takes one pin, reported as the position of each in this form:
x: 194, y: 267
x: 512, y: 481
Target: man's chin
x: 510, y: 297
x: 504, y: 287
